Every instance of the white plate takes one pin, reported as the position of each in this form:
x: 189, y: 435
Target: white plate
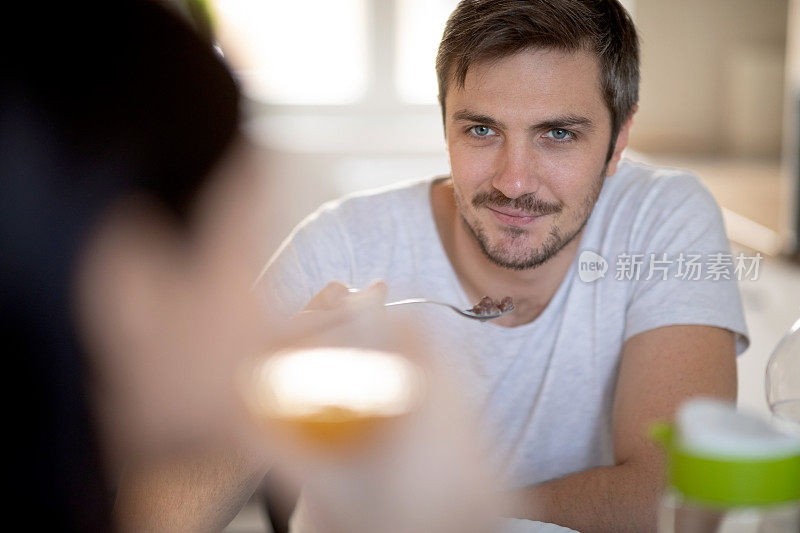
x: 513, y: 525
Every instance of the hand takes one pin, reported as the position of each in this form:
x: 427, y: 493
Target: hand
x: 336, y: 295
x: 334, y: 306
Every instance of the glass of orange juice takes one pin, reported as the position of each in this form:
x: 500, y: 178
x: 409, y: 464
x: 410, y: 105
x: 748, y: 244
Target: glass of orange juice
x: 333, y: 397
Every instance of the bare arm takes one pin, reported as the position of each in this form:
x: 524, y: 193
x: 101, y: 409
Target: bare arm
x: 659, y: 369
x: 199, y: 493
x: 204, y: 492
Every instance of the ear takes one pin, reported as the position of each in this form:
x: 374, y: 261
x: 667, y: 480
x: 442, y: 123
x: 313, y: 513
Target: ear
x: 622, y: 142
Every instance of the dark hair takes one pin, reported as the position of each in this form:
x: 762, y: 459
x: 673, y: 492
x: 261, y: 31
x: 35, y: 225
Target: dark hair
x: 127, y: 85
x: 480, y: 30
x: 98, y: 101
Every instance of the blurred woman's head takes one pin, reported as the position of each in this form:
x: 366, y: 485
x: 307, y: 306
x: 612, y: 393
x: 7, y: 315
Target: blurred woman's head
x: 125, y: 210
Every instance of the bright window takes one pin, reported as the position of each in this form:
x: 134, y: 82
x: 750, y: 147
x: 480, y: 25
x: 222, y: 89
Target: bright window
x: 296, y: 52
x: 325, y: 51
x: 420, y: 24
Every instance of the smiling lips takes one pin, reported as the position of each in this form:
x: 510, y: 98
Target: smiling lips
x: 513, y: 218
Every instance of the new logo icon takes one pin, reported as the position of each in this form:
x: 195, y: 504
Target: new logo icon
x: 591, y: 266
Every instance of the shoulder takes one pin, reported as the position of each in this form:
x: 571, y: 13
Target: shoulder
x: 654, y: 186
x: 410, y: 195
x: 373, y: 211
x: 646, y: 207
x: 366, y: 218
x: 648, y: 195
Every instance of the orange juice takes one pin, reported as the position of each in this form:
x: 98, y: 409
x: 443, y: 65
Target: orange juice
x: 334, y: 396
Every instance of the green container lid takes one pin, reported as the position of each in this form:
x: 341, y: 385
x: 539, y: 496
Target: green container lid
x: 729, y: 481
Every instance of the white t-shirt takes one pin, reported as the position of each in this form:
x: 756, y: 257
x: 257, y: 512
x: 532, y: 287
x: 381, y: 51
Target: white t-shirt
x: 545, y: 388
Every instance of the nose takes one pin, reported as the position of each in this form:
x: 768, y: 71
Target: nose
x: 516, y: 175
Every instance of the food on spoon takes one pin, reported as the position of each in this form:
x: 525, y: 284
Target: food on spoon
x: 487, y: 307
x: 506, y: 304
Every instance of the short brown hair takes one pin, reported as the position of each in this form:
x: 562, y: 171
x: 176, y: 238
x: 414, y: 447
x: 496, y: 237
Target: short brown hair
x: 480, y: 30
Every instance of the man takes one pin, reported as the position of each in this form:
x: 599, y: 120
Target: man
x: 538, y: 99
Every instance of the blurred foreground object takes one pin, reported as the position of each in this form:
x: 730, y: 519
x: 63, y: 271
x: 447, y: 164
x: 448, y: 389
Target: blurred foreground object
x: 783, y: 379
x: 335, y: 396
x: 124, y: 215
x: 728, y: 473
x: 361, y: 416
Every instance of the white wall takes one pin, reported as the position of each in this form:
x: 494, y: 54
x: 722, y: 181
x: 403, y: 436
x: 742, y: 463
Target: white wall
x: 711, y: 76
x: 791, y: 130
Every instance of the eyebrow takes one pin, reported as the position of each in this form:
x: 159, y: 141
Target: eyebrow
x: 558, y: 121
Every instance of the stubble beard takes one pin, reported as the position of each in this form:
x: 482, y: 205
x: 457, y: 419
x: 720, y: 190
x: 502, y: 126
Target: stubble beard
x: 499, y: 253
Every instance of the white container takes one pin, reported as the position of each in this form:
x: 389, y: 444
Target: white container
x: 783, y: 380
x: 728, y: 473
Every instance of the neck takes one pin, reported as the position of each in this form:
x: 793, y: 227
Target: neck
x: 532, y: 289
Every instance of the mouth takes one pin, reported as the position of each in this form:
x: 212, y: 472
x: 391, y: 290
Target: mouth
x: 512, y: 217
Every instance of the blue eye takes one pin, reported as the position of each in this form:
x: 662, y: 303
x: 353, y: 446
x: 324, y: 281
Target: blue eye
x: 481, y: 131
x: 560, y: 134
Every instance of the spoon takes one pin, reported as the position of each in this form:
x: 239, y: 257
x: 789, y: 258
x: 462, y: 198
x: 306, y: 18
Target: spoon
x: 468, y: 313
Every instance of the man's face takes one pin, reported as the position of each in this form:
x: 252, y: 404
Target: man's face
x: 528, y: 137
